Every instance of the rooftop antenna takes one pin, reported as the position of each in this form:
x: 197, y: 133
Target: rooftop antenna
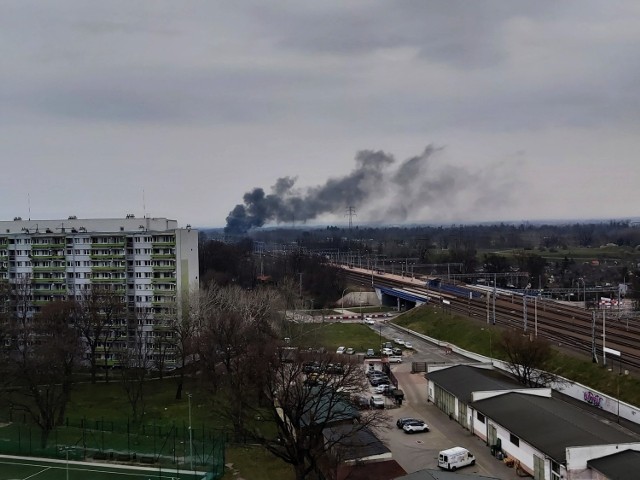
x: 144, y: 205
x: 29, y: 204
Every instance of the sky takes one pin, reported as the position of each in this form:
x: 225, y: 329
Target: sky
x: 291, y: 112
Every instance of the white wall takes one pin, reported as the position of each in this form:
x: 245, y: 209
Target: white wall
x: 568, y: 387
x: 524, y: 452
x: 577, y: 457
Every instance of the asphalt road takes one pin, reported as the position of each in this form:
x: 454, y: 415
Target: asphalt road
x: 420, y: 450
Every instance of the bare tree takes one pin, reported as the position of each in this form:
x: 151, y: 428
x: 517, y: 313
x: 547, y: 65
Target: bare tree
x: 237, y: 330
x: 97, y: 318
x: 527, y: 357
x: 45, y: 353
x: 311, y: 410
x: 182, y: 326
x: 135, y: 362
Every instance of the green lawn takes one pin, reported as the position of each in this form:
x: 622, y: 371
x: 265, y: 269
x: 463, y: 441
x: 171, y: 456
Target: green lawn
x: 333, y: 335
x: 477, y: 336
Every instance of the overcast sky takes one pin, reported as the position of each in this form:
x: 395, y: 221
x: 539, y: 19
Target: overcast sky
x: 473, y: 110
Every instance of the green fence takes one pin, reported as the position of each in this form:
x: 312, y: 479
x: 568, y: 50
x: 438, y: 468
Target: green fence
x: 172, y: 446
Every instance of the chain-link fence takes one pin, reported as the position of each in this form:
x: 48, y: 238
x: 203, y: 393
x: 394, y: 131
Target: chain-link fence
x: 174, y: 446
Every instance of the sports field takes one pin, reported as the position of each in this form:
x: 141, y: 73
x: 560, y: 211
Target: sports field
x: 16, y: 468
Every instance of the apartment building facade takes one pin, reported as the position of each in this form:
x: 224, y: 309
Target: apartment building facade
x: 149, y: 263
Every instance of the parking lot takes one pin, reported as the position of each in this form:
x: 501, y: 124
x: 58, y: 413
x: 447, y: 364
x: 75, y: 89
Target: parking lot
x: 418, y: 451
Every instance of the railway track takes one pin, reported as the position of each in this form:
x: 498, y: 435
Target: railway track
x: 565, y: 325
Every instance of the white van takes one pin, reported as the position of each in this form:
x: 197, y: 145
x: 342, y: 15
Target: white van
x: 454, y: 458
x: 395, y: 359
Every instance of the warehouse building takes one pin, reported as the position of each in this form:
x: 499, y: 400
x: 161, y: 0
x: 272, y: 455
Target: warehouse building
x: 535, y: 429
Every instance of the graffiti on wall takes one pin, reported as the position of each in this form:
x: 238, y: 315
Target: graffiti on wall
x: 593, y: 399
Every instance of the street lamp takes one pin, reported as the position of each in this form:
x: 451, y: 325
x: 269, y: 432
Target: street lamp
x: 584, y: 287
x: 490, y: 347
x: 190, y: 434
x: 342, y: 299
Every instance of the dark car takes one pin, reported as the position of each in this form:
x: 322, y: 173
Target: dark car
x: 397, y: 351
x: 401, y: 421
x: 311, y: 367
x: 379, y: 380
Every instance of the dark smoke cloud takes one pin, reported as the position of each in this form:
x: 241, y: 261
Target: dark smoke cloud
x: 392, y: 195
x: 283, y: 204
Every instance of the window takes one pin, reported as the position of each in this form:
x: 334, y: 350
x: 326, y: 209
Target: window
x: 480, y: 417
x: 515, y: 440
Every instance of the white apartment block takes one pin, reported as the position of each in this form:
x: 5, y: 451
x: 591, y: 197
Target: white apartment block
x: 150, y: 261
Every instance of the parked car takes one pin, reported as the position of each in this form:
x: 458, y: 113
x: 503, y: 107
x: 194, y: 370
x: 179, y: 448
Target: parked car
x: 371, y: 353
x: 402, y: 420
x: 379, y: 381
x: 311, y: 367
x: 387, y: 351
x: 397, y: 351
x: 350, y: 351
x: 408, y: 345
x: 398, y: 340
x: 395, y: 359
x: 341, y: 350
x: 415, y: 426
x: 376, y: 401
x: 334, y: 368
x: 369, y: 321
x: 382, y: 388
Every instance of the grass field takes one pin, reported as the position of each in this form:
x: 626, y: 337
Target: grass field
x: 14, y: 468
x: 476, y: 336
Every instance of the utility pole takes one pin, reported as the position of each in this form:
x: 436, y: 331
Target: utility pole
x: 351, y: 212
x: 594, y: 354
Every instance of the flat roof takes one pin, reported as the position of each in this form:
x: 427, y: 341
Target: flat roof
x: 429, y: 474
x: 551, y: 425
x: 462, y: 380
x: 355, y: 442
x: 619, y: 466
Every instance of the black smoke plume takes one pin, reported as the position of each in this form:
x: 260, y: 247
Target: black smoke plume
x: 391, y: 195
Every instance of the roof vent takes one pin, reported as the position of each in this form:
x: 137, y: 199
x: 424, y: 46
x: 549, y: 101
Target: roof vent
x: 17, y: 219
x: 72, y: 217
x: 130, y: 215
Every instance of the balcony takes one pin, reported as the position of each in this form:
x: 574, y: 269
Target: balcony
x: 48, y: 246
x: 49, y: 292
x: 108, y: 280
x: 163, y: 244
x: 114, y: 256
x: 163, y: 280
x: 110, y: 268
x: 164, y: 268
x: 163, y: 256
x: 50, y: 268
x: 49, y: 280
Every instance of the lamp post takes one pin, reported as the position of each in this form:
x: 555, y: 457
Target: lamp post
x: 490, y: 347
x: 342, y: 300
x: 584, y: 289
x: 190, y: 434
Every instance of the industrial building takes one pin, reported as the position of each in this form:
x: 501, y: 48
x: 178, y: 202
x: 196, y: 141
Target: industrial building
x: 545, y: 435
